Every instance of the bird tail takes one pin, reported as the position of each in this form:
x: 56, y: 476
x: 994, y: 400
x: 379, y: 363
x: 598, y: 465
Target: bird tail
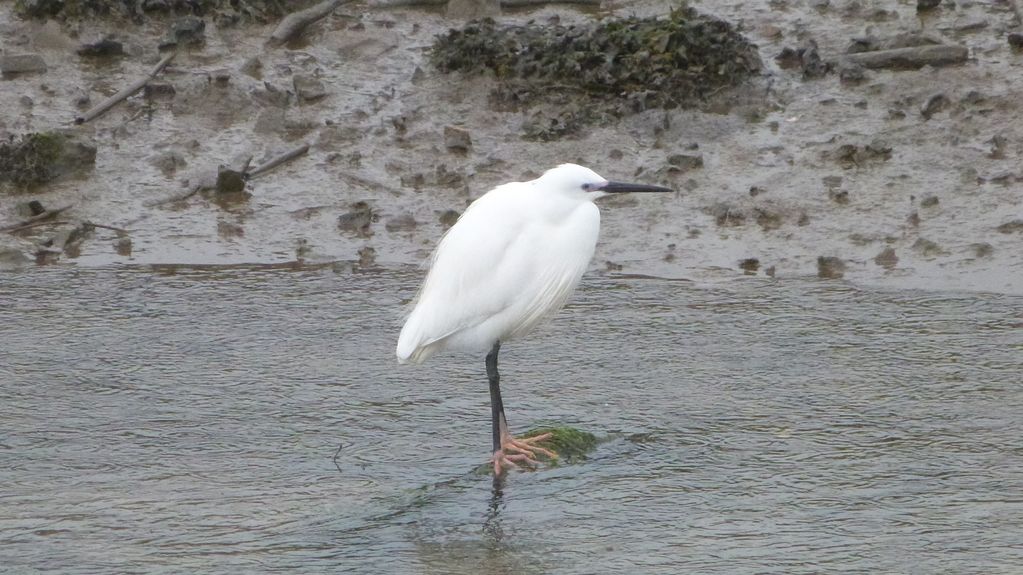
x: 410, y: 348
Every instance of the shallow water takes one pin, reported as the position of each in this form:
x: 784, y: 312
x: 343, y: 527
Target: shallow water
x: 184, y: 420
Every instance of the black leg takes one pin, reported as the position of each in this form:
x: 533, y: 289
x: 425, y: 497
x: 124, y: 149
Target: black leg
x: 496, y: 406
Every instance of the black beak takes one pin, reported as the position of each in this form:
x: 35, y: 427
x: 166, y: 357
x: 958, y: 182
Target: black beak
x: 623, y: 188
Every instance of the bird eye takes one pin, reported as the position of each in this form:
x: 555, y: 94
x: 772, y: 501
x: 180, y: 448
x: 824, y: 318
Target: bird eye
x: 587, y: 187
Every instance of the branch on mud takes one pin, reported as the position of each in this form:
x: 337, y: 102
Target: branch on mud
x: 293, y: 24
x: 178, y: 198
x: 914, y: 57
x: 30, y: 222
x: 135, y: 86
x: 277, y: 161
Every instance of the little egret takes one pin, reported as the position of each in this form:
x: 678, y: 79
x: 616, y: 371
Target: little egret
x: 509, y: 262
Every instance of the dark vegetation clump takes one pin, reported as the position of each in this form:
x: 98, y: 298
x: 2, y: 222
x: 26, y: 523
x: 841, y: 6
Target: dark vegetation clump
x: 37, y: 158
x: 224, y: 12
x: 608, y: 68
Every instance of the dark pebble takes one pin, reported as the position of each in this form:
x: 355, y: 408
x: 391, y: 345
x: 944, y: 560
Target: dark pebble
x: 830, y: 267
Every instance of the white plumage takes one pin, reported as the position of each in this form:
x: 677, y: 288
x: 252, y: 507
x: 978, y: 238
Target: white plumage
x: 511, y: 260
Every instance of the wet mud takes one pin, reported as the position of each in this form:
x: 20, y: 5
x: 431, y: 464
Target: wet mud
x: 816, y: 157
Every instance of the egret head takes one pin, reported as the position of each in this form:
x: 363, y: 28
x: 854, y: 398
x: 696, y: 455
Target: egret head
x: 576, y: 181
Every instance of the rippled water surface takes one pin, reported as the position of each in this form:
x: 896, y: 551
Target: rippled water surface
x: 185, y: 421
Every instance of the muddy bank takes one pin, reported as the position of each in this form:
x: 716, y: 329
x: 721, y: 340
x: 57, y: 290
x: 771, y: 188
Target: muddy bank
x: 898, y: 174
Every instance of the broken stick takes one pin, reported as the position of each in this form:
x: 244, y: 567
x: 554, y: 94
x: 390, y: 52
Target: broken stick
x: 99, y: 109
x: 293, y: 24
x: 914, y: 57
x: 274, y: 162
x: 36, y: 218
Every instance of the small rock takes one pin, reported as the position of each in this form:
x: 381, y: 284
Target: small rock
x: 252, y: 67
x: 402, y: 223
x: 925, y: 5
x: 727, y: 215
x: 308, y: 88
x: 933, y: 105
x: 168, y: 162
x: 448, y: 218
x: 22, y: 64
x: 1016, y: 40
x: 913, y: 219
x: 929, y: 201
x: 749, y: 266
x: 159, y: 91
x: 1011, y: 227
x: 830, y: 267
x: 29, y: 208
x: 358, y: 220
x: 811, y: 62
x: 186, y: 31
x: 839, y: 196
x: 26, y: 101
x: 982, y: 250
x: 367, y: 257
x: 850, y: 73
x: 681, y: 163
x: 755, y: 191
x: 228, y: 230
x: 122, y: 246
x: 998, y: 143
x: 229, y: 181
x: 969, y: 24
x: 104, y: 48
x: 927, y: 248
x: 457, y: 139
x: 887, y: 258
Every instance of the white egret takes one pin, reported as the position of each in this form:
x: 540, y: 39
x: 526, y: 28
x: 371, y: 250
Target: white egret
x: 508, y: 263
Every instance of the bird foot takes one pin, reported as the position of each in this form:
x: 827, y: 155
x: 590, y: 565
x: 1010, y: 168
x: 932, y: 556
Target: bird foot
x: 516, y: 453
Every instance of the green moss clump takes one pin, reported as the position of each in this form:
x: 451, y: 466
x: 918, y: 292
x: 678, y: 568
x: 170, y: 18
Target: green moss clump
x: 611, y: 67
x: 37, y: 158
x: 571, y: 444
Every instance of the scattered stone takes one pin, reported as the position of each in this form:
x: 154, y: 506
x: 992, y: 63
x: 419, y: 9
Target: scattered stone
x: 982, y: 250
x: 911, y: 58
x: 850, y: 73
x: 929, y: 201
x: 220, y: 76
x: 358, y: 220
x: 252, y: 67
x: 830, y: 267
x: 11, y: 64
x: 749, y: 266
x: 998, y: 143
x: 805, y: 58
x: 925, y: 5
x: 159, y: 91
x: 26, y: 101
x: 122, y: 246
x: 850, y: 155
x: 682, y: 163
x: 402, y: 223
x: 755, y: 191
x: 839, y: 196
x: 186, y: 31
x: 927, y: 248
x: 367, y: 257
x: 42, y: 157
x: 887, y: 258
x: 29, y: 208
x: 1011, y: 227
x: 933, y: 105
x: 228, y: 230
x: 1016, y: 40
x: 308, y: 88
x: 168, y: 162
x: 448, y: 218
x: 727, y: 215
x: 457, y: 139
x: 104, y: 48
x: 768, y: 220
x: 969, y: 24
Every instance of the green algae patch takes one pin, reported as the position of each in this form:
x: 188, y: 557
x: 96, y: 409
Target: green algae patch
x: 572, y: 445
x: 606, y: 68
x: 36, y: 158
